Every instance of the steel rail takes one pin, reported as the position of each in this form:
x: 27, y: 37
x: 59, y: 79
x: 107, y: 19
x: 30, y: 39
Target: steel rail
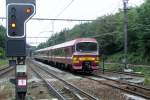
x: 4, y: 67
x: 123, y: 82
x: 49, y: 85
x: 5, y: 70
x: 68, y: 84
x: 73, y: 93
x: 119, y: 83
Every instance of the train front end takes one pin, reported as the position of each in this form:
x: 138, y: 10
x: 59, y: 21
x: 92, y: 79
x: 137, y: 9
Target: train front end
x: 86, y: 56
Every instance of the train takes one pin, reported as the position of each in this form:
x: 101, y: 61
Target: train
x: 78, y: 55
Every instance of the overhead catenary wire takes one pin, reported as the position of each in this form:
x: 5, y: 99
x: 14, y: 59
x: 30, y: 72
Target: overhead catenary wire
x: 64, y: 9
x: 60, y: 14
x: 56, y: 19
x: 37, y: 37
x: 60, y: 19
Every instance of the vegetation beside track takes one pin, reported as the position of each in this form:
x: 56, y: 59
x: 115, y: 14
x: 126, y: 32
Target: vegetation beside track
x: 133, y: 58
x: 137, y: 63
x: 3, y: 62
x: 142, y: 69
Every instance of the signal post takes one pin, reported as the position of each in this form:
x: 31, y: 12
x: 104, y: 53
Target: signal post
x: 18, y: 14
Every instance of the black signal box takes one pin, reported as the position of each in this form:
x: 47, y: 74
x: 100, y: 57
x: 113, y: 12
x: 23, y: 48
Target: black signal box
x: 18, y: 14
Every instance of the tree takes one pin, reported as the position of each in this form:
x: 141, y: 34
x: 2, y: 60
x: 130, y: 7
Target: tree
x: 144, y: 28
x: 2, y: 36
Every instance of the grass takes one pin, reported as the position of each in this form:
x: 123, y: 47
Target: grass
x: 119, y: 67
x: 147, y: 81
x: 133, y: 58
x: 114, y: 67
x: 145, y: 71
x: 3, y: 62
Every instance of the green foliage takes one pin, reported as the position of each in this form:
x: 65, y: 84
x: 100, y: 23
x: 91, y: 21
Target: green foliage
x: 2, y: 36
x: 114, y: 67
x: 2, y: 53
x: 42, y: 45
x: 115, y: 57
x: 3, y: 62
x: 147, y: 80
x: 133, y: 58
x: 2, y: 41
x: 145, y: 71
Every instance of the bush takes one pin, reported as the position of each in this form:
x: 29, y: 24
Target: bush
x: 114, y: 67
x: 2, y: 53
x: 147, y: 81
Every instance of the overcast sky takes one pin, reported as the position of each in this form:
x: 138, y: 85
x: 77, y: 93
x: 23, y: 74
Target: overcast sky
x: 79, y: 9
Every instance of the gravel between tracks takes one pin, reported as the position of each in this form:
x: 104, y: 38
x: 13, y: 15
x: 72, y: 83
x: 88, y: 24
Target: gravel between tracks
x: 101, y: 91
x: 36, y: 87
x: 7, y: 89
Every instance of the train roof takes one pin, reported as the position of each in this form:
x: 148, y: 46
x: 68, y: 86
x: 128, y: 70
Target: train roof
x: 67, y: 44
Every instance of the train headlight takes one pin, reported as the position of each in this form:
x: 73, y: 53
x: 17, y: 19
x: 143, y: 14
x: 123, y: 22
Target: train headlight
x: 92, y: 58
x: 82, y: 58
x: 75, y: 58
x: 86, y: 58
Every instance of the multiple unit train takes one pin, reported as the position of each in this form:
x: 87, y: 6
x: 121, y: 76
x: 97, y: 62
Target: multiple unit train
x: 80, y: 54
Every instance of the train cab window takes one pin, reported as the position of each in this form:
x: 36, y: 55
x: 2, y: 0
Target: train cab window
x: 86, y: 47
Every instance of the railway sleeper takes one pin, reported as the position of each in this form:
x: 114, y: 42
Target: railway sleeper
x: 131, y: 88
x: 74, y: 93
x: 128, y: 87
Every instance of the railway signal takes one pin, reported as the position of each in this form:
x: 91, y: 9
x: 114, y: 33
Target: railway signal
x: 18, y: 14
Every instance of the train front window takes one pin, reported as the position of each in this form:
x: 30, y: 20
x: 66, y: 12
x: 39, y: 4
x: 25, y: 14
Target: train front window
x: 86, y: 47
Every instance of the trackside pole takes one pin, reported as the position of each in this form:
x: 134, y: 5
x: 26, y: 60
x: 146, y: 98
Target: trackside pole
x: 21, y: 78
x: 103, y: 60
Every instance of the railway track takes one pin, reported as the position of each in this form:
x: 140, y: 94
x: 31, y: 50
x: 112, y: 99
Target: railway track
x: 5, y: 70
x: 3, y: 67
x: 122, y: 85
x: 127, y: 87
x: 70, y: 91
x: 124, y: 73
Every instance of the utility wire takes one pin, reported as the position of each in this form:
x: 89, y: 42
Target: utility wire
x: 60, y: 14
x: 63, y: 19
x: 64, y: 8
x: 53, y: 19
x: 37, y: 37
